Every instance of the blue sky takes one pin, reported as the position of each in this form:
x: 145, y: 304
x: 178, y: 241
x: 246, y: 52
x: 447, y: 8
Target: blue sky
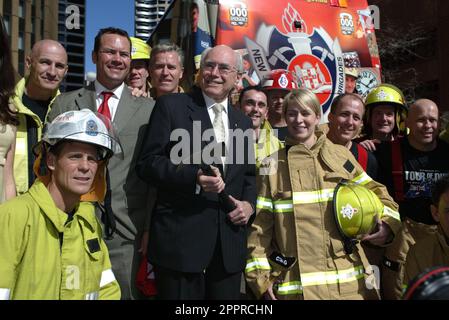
x: 106, y: 13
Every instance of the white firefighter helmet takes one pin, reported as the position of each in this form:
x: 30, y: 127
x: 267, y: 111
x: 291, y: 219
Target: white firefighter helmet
x: 83, y: 126
x: 86, y: 127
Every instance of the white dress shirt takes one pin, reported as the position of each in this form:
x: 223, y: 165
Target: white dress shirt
x: 113, y: 101
x: 210, y: 104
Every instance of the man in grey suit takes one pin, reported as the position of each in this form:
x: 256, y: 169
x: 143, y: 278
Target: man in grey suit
x: 126, y: 204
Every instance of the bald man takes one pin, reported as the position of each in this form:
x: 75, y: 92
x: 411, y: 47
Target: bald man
x: 46, y: 67
x: 409, y: 167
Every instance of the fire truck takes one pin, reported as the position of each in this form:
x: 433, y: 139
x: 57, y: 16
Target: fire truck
x: 314, y: 39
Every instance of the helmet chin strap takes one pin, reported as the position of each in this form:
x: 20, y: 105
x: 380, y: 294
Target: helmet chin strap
x: 40, y: 167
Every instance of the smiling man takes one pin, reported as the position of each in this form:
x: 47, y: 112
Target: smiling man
x: 345, y: 123
x: 47, y: 67
x: 253, y: 103
x: 50, y: 241
x: 409, y: 167
x: 126, y: 205
x: 198, y: 245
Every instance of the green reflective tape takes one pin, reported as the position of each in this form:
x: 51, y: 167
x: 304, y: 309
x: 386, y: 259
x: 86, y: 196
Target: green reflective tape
x: 264, y: 203
x: 309, y: 197
x: 257, y: 264
x: 292, y: 287
x: 391, y: 213
x: 362, y: 179
x: 283, y: 206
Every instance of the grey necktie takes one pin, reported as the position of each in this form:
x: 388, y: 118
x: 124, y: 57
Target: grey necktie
x: 218, y: 122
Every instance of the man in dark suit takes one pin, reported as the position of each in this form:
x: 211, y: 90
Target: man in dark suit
x: 198, y: 248
x: 126, y: 204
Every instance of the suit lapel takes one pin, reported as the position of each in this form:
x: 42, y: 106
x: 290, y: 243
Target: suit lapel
x: 199, y: 113
x: 199, y: 110
x: 233, y: 120
x: 233, y: 124
x: 125, y: 109
x: 86, y: 98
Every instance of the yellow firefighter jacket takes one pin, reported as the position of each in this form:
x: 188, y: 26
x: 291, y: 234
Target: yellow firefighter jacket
x: 267, y: 143
x: 22, y: 147
x: 46, y: 256
x: 294, y: 219
x: 431, y: 251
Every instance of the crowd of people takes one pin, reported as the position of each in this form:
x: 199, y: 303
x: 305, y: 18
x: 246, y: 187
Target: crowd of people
x: 257, y: 200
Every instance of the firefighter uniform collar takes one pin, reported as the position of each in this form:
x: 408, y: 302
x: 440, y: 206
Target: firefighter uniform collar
x: 40, y: 194
x: 293, y: 145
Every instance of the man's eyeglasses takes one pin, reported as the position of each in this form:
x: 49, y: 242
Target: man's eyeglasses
x: 112, y: 52
x: 223, y: 68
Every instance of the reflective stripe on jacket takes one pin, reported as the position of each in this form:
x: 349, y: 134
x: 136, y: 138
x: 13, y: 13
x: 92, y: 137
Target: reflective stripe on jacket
x: 44, y: 256
x: 21, y: 154
x: 294, y: 218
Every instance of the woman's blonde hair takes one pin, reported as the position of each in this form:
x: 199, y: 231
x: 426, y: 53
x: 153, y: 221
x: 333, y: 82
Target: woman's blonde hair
x: 304, y: 98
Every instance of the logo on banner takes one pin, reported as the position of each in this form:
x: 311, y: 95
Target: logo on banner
x: 314, y: 56
x: 346, y: 23
x: 238, y: 14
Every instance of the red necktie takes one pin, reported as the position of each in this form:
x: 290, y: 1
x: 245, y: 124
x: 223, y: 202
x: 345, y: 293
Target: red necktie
x: 104, y: 107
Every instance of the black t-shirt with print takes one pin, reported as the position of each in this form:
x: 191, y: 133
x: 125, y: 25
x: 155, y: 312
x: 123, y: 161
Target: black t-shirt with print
x: 420, y: 171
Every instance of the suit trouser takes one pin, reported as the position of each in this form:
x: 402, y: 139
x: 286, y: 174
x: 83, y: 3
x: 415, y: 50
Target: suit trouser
x: 396, y: 254
x: 213, y: 284
x: 125, y: 261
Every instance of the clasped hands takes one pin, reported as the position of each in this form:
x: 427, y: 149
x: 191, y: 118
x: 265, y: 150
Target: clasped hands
x: 215, y: 184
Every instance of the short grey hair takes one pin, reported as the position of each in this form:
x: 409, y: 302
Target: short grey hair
x: 238, y: 58
x: 167, y: 47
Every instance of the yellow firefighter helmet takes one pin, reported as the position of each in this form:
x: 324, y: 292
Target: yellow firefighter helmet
x: 356, y: 210
x: 82, y: 126
x: 385, y: 94
x: 140, y: 49
x: 353, y: 72
x: 388, y: 94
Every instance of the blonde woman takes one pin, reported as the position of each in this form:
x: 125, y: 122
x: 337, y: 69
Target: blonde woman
x: 295, y: 248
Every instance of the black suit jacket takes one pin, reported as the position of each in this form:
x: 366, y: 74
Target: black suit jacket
x: 185, y: 225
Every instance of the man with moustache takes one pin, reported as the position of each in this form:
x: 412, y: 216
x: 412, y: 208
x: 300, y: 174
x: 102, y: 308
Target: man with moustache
x: 126, y: 206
